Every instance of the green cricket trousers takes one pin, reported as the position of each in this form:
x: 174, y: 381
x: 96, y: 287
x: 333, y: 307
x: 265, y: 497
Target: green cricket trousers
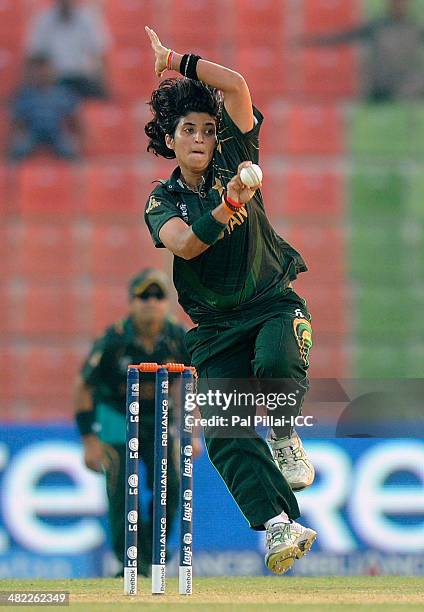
x: 272, y: 342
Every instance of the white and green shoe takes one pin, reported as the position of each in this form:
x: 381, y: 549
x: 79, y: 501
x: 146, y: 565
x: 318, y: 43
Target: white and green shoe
x: 287, y: 542
x: 292, y: 461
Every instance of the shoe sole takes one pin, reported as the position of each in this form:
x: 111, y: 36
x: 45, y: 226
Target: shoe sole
x: 280, y: 561
x: 304, y: 545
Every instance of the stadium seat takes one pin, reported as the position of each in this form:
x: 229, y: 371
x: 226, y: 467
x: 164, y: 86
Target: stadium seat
x: 112, y: 191
x: 379, y: 256
x: 415, y: 201
x: 11, y: 23
x: 254, y: 21
x: 47, y: 191
x: 263, y: 69
x: 188, y: 21
x: 109, y: 304
x: 322, y: 16
x: 372, y: 359
x: 127, y: 19
x: 326, y: 73
x: 417, y: 146
x: 382, y: 131
x: 381, y: 316
x: 273, y: 130
x: 110, y: 130
x: 329, y: 307
x: 5, y: 203
x: 4, y: 130
x: 48, y: 374
x: 377, y: 194
x: 322, y: 248
x: 7, y: 247
x: 313, y: 193
x: 39, y: 311
x: 117, y: 251
x: 329, y: 361
x: 45, y: 253
x: 10, y: 70
x: 314, y: 130
x: 131, y: 73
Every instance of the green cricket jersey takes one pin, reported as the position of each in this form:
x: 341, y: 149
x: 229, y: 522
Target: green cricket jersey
x: 250, y: 264
x: 105, y: 368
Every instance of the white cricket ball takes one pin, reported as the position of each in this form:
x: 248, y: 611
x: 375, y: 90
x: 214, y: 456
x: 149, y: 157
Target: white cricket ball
x: 251, y: 176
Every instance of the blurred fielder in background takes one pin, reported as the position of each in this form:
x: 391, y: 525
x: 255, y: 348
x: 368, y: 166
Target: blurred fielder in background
x: 147, y: 334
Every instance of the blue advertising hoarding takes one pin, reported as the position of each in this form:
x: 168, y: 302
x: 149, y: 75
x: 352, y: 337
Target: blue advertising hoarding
x: 367, y: 505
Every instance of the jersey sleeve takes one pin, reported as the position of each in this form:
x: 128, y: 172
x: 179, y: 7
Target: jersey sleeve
x: 159, y: 209
x: 92, y: 366
x: 236, y: 146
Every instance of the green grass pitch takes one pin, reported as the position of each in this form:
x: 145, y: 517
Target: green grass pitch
x: 324, y: 594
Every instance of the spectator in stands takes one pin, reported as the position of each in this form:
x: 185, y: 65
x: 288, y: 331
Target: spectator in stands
x: 394, y: 67
x: 146, y: 334
x: 76, y: 40
x: 43, y: 114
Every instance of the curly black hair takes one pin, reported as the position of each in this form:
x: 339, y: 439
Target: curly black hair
x: 173, y: 99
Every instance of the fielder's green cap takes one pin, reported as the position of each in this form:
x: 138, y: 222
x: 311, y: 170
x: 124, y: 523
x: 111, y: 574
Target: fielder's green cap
x: 145, y: 278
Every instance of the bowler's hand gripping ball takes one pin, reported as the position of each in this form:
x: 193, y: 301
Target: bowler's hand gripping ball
x: 251, y: 176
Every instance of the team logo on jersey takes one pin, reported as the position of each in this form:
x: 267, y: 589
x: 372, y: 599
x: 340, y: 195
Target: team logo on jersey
x: 183, y: 208
x: 95, y: 359
x: 153, y: 203
x: 303, y: 333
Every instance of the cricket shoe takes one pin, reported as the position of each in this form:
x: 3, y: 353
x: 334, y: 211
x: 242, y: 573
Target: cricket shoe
x: 292, y: 461
x: 287, y: 542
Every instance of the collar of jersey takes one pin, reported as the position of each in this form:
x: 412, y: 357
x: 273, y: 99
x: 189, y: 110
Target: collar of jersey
x: 173, y: 184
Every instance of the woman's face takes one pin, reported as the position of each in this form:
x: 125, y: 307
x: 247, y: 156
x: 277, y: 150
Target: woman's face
x: 194, y: 141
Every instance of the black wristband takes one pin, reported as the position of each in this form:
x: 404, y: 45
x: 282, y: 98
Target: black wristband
x: 188, y: 66
x: 207, y: 228
x: 183, y: 63
x: 85, y: 422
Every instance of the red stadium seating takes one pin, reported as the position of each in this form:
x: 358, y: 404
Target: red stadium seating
x: 47, y: 190
x: 131, y: 73
x: 127, y: 19
x: 40, y: 311
x: 263, y: 69
x: 110, y: 130
x: 328, y: 304
x: 322, y: 249
x: 45, y: 253
x: 300, y: 192
x: 10, y: 70
x: 48, y: 373
x: 189, y: 21
x: 328, y: 361
x: 314, y: 130
x: 11, y: 23
x: 118, y: 251
x: 326, y: 73
x: 255, y: 20
x: 4, y: 131
x: 313, y: 193
x: 112, y: 191
x: 322, y: 16
x: 5, y: 203
x: 109, y: 304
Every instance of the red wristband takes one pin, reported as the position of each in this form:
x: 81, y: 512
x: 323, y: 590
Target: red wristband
x: 233, y: 202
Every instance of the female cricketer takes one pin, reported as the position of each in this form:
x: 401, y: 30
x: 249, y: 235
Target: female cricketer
x: 233, y: 276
